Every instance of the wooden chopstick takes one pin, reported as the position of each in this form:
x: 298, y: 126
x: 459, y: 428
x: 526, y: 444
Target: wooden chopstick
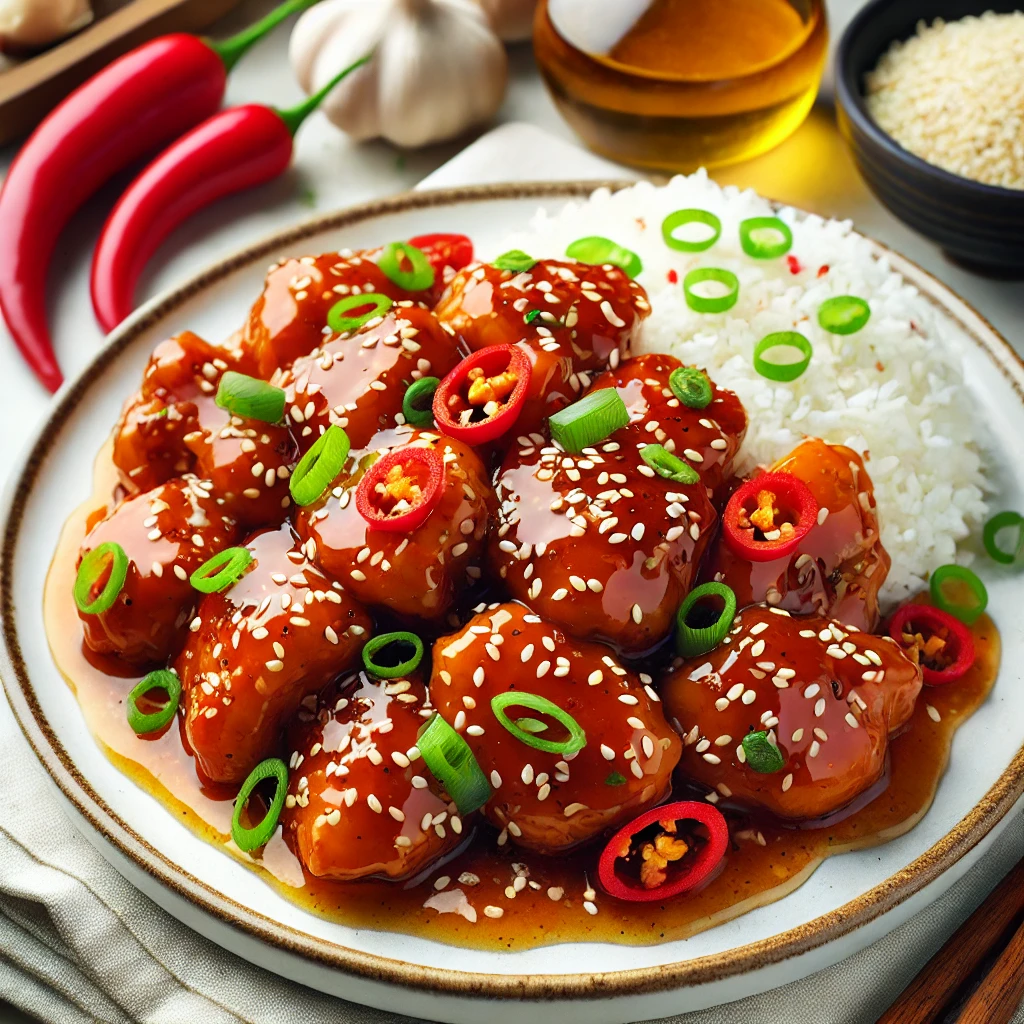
x: 995, y: 927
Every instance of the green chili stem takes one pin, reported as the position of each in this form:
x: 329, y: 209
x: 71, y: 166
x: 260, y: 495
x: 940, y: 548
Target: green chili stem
x: 232, y: 50
x: 294, y: 116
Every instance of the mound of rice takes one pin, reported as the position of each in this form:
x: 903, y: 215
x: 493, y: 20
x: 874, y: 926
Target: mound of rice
x: 893, y: 392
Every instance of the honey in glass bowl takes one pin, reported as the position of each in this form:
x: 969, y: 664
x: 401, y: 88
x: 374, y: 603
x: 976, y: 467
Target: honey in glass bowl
x: 681, y: 84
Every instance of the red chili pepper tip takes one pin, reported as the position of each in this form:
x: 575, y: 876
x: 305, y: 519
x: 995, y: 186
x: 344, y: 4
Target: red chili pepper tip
x: 482, y: 397
x: 400, y: 490
x: 656, y: 879
x: 769, y: 516
x: 942, y: 636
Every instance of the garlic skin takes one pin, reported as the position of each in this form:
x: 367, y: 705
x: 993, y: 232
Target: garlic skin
x: 31, y: 24
x: 437, y: 68
x: 511, y: 19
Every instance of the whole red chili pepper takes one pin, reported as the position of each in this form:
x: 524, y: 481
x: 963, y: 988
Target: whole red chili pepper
x: 231, y: 151
x: 134, y: 106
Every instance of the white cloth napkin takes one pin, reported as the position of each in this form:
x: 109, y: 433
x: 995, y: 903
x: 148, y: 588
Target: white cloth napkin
x: 78, y: 943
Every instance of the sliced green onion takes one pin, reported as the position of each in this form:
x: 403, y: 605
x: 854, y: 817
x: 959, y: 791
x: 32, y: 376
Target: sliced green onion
x: 250, y: 397
x: 452, y: 763
x: 253, y: 838
x: 543, y: 316
x: 590, y: 420
x: 221, y: 571
x: 845, y: 314
x: 90, y: 572
x: 576, y: 740
x: 418, y: 278
x: 320, y: 466
x: 765, y: 238
x: 417, y: 405
x: 670, y: 466
x: 143, y: 723
x: 974, y: 600
x: 676, y: 220
x: 691, y: 387
x: 999, y: 522
x: 342, y: 324
x: 616, y: 779
x: 711, y: 303
x: 762, y: 755
x: 599, y: 251
x: 783, y: 372
x: 696, y: 639
x: 397, y: 641
x: 515, y: 260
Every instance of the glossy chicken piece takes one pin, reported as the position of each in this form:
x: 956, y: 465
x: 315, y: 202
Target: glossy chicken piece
x: 167, y: 533
x: 176, y: 399
x: 598, y: 542
x: 588, y: 318
x: 289, y: 319
x: 358, y: 380
x: 248, y: 464
x: 828, y: 697
x: 417, y: 574
x: 255, y: 650
x: 706, y: 439
x: 359, y: 800
x: 545, y: 801
x: 840, y: 565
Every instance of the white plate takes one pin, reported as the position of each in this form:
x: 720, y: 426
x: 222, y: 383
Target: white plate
x: 850, y: 901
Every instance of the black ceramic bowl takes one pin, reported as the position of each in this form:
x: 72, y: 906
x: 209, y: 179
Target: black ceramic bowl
x: 980, y: 225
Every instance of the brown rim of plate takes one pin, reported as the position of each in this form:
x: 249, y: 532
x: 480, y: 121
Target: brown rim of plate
x: 970, y: 831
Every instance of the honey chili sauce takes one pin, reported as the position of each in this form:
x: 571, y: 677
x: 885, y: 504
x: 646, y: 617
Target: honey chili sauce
x: 288, y: 319
x: 828, y: 697
x: 502, y: 898
x: 357, y: 380
x: 839, y: 566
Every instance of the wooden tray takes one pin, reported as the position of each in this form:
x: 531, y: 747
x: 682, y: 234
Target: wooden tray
x: 30, y: 88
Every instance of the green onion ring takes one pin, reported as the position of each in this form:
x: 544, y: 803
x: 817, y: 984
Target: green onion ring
x: 757, y: 246
x: 91, y: 570
x: 250, y: 397
x: 762, y: 755
x: 418, y: 401
x: 576, y: 740
x: 599, y: 251
x: 162, y: 679
x: 515, y: 260
x: 845, y: 314
x: 252, y: 838
x: 783, y: 372
x: 320, y: 466
x: 419, y: 278
x: 452, y: 763
x: 231, y: 563
x: 379, y: 643
x: 716, y: 303
x: 691, y: 387
x: 590, y: 420
x: 669, y: 466
x: 341, y: 324
x: 692, y: 641
x: 966, y: 613
x: 681, y: 217
x: 1003, y: 521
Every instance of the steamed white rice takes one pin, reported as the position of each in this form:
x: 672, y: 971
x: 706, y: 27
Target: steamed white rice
x: 893, y: 392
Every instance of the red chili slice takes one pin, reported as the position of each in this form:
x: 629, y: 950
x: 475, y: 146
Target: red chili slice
x: 455, y: 251
x: 482, y: 397
x: 401, y: 489
x: 696, y: 870
x: 934, y: 624
x: 759, y: 504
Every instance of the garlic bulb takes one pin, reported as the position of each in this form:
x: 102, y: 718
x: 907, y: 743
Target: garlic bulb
x: 437, y: 67
x: 36, y: 23
x: 511, y: 19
